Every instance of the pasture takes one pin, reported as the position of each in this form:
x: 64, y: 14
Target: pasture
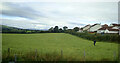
x: 70, y: 45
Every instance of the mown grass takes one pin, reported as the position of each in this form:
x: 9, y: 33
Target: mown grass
x: 73, y: 47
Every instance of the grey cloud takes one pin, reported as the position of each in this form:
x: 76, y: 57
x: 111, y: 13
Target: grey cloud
x: 50, y: 14
x: 73, y: 23
x: 20, y: 11
x: 16, y: 23
x: 39, y: 23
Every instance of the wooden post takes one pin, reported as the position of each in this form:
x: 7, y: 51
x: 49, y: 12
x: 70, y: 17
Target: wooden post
x: 8, y: 52
x: 84, y: 55
x: 61, y: 53
x: 114, y: 55
x: 15, y: 57
x: 36, y: 54
x: 20, y: 53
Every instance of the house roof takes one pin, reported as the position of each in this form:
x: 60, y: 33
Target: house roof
x: 86, y: 26
x: 113, y: 29
x: 94, y: 25
x: 109, y: 28
x: 116, y: 24
x: 104, y: 28
x: 105, y: 25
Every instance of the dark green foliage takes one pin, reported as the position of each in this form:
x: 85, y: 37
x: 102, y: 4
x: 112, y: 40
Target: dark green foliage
x: 56, y: 29
x: 65, y: 28
x: 98, y: 37
x: 60, y: 30
x: 51, y: 29
x: 76, y: 29
x: 8, y: 29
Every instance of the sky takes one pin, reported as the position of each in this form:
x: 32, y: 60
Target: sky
x: 43, y: 15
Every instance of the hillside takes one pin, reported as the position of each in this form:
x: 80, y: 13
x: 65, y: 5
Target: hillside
x: 8, y: 29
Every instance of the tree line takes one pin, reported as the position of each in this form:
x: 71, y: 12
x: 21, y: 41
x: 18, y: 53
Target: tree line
x: 56, y: 29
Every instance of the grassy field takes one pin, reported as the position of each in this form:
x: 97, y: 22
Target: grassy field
x: 70, y: 45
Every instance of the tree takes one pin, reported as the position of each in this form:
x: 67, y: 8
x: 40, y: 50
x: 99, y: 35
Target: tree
x: 65, y: 28
x: 51, y: 29
x: 56, y: 30
x: 76, y: 29
x: 60, y: 30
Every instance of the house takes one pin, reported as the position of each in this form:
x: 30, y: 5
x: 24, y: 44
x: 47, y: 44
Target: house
x: 113, y: 24
x: 113, y: 28
x: 105, y: 25
x: 119, y: 31
x: 116, y: 26
x: 86, y: 28
x: 95, y: 27
x: 107, y: 30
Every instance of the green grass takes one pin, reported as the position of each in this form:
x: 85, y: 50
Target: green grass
x: 71, y: 46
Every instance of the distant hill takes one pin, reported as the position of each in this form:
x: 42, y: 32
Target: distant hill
x: 4, y: 27
x: 8, y: 29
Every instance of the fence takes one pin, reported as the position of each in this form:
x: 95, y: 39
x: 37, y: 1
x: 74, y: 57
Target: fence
x: 36, y: 57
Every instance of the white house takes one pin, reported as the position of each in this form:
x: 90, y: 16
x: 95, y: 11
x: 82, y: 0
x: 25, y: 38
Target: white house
x: 116, y: 26
x: 119, y: 31
x: 113, y: 24
x: 107, y: 30
x: 87, y: 27
x: 113, y: 28
x: 112, y: 31
x: 95, y: 27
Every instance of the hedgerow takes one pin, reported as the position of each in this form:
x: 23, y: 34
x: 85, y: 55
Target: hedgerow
x: 98, y: 37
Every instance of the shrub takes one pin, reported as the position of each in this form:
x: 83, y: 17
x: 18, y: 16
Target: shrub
x: 98, y: 37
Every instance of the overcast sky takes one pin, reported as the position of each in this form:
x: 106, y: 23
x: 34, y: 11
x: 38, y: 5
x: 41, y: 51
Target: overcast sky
x: 43, y: 15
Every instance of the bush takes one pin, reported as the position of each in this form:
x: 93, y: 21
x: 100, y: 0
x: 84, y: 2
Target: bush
x: 98, y: 37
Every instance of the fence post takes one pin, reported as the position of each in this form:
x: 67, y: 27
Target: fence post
x: 8, y: 52
x: 84, y: 55
x: 114, y: 55
x: 36, y: 54
x: 15, y: 57
x: 61, y: 53
x: 20, y: 53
